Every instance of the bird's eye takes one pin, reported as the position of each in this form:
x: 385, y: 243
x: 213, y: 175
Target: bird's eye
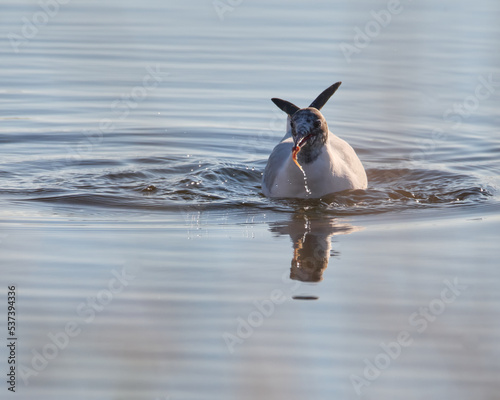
x: 317, y: 123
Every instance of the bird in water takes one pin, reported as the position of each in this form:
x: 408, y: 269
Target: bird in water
x: 310, y: 161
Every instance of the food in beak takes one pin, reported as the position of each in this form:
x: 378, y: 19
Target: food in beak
x: 297, y: 148
x: 295, y: 151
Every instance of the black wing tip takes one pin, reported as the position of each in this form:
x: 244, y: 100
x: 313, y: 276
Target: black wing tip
x: 285, y: 106
x: 325, y: 95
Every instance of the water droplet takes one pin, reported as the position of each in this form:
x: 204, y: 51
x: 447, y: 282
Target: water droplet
x: 308, y: 191
x: 149, y: 189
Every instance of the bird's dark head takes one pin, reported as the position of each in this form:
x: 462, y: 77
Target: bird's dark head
x: 310, y: 132
x: 308, y: 126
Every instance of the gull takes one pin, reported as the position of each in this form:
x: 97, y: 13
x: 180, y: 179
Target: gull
x: 324, y: 163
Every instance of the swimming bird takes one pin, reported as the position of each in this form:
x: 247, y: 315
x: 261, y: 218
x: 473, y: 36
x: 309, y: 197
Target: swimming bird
x: 324, y: 163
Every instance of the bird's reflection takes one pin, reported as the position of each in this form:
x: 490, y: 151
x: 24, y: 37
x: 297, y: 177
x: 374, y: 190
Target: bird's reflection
x: 312, y: 244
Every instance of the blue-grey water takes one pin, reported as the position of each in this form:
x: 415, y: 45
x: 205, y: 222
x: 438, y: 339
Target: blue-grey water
x: 146, y: 261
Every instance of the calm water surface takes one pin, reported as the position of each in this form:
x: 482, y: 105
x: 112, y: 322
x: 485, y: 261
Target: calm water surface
x: 148, y: 265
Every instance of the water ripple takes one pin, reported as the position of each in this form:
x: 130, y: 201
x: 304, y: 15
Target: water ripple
x: 216, y: 185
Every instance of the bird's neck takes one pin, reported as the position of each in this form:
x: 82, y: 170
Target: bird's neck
x: 311, y: 152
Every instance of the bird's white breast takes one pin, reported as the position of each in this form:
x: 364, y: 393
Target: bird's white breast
x: 337, y: 168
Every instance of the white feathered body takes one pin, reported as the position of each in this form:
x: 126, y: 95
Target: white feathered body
x: 337, y: 168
